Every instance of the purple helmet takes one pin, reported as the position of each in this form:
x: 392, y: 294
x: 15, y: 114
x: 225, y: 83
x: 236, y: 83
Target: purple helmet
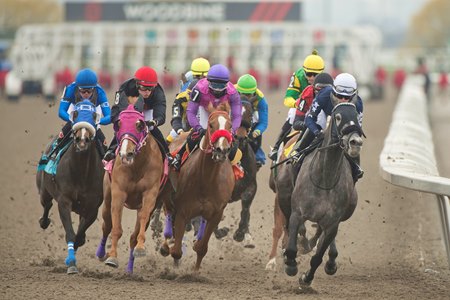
x: 218, y: 73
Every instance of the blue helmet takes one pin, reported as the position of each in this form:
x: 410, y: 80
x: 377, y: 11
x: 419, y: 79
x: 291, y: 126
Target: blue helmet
x: 218, y: 73
x: 86, y: 78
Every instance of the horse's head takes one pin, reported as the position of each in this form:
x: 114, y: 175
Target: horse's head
x: 247, y: 118
x: 131, y: 132
x: 219, y: 132
x: 85, y: 119
x: 346, y: 128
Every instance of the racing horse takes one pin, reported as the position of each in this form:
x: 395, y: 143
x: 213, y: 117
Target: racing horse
x: 245, y: 188
x: 77, y: 184
x: 324, y: 191
x: 204, y: 187
x: 134, y: 183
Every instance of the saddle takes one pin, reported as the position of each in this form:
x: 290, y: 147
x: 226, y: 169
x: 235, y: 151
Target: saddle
x: 49, y: 162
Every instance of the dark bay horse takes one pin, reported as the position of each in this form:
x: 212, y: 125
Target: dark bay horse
x: 77, y: 184
x: 134, y: 183
x: 204, y: 186
x: 324, y: 191
x: 245, y: 188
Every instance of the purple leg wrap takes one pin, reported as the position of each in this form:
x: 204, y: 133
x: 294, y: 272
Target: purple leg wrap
x: 168, y: 227
x: 130, y: 263
x: 101, y: 248
x: 201, y: 229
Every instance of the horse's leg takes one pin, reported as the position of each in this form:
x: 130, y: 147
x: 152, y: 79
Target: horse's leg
x: 277, y: 231
x: 243, y: 229
x: 168, y: 234
x: 148, y: 204
x: 133, y: 242
x: 47, y: 203
x: 106, y: 225
x: 290, y: 253
x: 330, y: 266
x: 313, y: 240
x: 155, y: 223
x: 85, y: 223
x: 201, y: 246
x: 179, y: 226
x: 325, y: 240
x: 65, y: 209
x: 117, y: 203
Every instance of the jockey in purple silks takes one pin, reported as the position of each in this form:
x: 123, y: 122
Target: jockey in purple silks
x: 215, y: 89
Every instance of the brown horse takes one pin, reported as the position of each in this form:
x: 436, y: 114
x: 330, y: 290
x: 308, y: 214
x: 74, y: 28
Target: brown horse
x: 134, y: 183
x: 282, y: 184
x: 204, y: 186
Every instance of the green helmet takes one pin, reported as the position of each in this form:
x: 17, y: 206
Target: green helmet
x: 246, y: 84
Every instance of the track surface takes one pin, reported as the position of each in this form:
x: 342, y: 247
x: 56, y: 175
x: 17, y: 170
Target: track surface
x: 391, y: 248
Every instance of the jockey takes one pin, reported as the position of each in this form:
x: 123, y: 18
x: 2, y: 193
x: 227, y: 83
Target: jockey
x: 344, y: 89
x: 300, y: 79
x: 85, y: 86
x: 214, y: 89
x: 144, y: 91
x: 247, y: 86
x: 199, y: 69
x: 304, y: 103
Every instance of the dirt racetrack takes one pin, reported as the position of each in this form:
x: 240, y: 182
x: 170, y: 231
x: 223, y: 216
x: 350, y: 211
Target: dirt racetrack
x: 391, y: 248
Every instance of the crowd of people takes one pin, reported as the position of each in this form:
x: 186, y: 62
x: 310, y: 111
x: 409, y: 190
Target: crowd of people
x: 310, y: 96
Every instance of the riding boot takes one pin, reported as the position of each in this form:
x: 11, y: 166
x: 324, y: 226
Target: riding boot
x: 301, y: 144
x: 58, y: 144
x: 176, y: 161
x: 111, y: 152
x: 283, y: 134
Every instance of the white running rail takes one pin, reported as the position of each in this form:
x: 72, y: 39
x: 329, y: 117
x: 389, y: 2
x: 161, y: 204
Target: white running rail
x: 408, y: 158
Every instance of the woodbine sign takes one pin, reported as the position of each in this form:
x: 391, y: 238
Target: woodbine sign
x: 183, y: 11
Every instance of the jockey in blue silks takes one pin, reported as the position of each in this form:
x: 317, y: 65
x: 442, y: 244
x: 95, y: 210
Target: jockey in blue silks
x: 84, y: 87
x: 344, y: 89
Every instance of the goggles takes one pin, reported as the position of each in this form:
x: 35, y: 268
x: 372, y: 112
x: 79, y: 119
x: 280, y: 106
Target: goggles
x: 86, y: 90
x: 339, y: 96
x: 218, y: 86
x: 311, y: 74
x: 344, y: 90
x: 145, y: 88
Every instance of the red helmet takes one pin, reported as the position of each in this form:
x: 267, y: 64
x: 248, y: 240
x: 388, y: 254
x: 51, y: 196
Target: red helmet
x: 146, y: 76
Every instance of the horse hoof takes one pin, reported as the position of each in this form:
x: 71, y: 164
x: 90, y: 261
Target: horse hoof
x: 291, y: 270
x: 72, y: 270
x: 112, y: 262
x: 303, y: 280
x: 330, y: 268
x: 238, y: 236
x: 272, y: 265
x: 221, y: 233
x: 138, y: 252
x: 248, y: 241
x: 164, y: 251
x: 44, y: 223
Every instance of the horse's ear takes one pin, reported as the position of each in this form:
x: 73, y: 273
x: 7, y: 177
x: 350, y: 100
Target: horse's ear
x: 354, y: 99
x: 210, y: 108
x: 140, y: 125
x: 74, y: 115
x: 117, y: 125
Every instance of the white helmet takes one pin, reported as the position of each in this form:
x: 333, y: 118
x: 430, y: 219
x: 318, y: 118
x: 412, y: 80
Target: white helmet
x: 344, y: 85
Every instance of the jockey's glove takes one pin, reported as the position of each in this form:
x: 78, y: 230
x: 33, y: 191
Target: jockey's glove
x: 197, y: 134
x: 256, y: 133
x: 151, y: 124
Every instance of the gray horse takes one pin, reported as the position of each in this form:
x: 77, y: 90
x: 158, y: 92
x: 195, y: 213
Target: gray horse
x: 324, y: 191
x: 76, y: 186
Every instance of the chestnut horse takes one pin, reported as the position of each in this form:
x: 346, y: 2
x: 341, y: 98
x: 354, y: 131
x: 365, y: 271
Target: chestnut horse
x: 204, y: 186
x: 134, y: 183
x: 77, y: 184
x: 245, y: 188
